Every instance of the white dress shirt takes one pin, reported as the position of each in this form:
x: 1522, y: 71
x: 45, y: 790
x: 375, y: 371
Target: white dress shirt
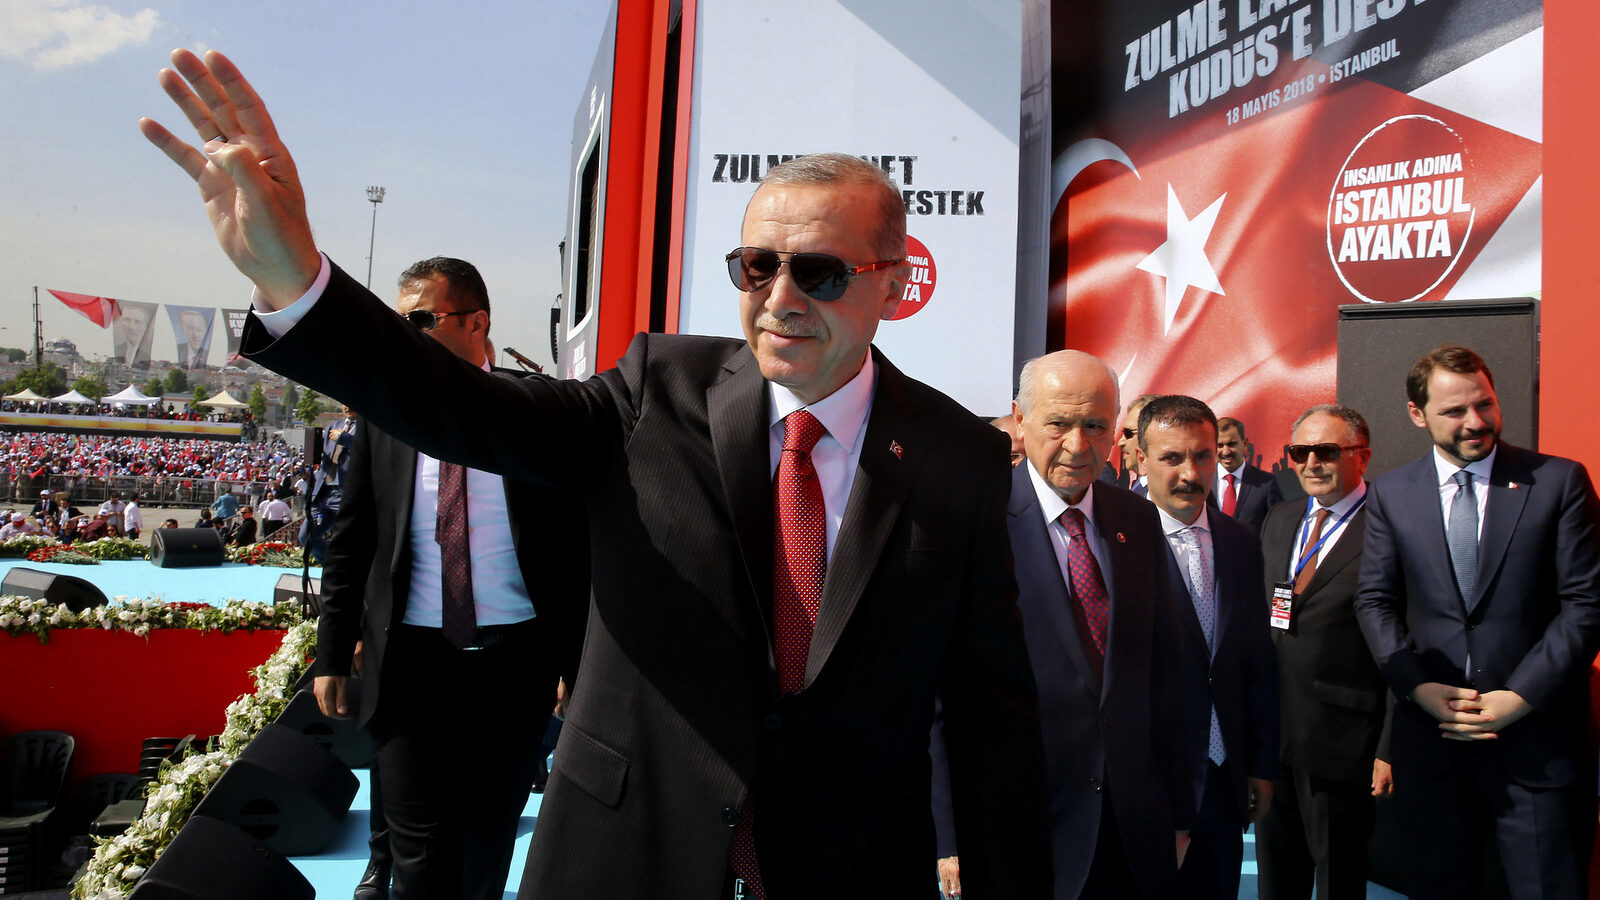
x: 1053, y: 505
x: 1333, y: 527
x: 1180, y: 551
x: 844, y: 414
x: 1480, y: 483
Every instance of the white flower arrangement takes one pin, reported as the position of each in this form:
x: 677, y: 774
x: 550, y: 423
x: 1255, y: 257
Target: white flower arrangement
x: 19, y: 615
x: 120, y: 862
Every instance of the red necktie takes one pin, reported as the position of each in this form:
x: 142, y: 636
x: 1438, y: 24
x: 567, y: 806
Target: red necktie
x: 458, y: 617
x: 1230, y: 495
x: 799, y: 564
x: 1089, y: 589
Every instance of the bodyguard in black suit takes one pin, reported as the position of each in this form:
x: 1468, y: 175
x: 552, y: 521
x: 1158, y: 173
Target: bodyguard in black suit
x: 1231, y: 697
x: 437, y: 708
x: 1252, y: 490
x: 1332, y: 696
x: 1480, y: 599
x: 684, y: 739
x: 1121, y: 802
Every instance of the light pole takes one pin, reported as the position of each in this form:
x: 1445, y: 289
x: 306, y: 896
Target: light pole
x: 375, y: 194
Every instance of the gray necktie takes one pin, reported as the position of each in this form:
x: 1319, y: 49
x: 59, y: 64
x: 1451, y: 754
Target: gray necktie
x: 1462, y: 533
x: 1203, y: 591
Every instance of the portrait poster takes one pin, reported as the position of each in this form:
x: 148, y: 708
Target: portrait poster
x: 192, y: 327
x: 132, y: 332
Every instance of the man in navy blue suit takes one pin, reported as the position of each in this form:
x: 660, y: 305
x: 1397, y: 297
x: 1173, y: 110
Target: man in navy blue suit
x: 1230, y: 694
x: 1480, y: 600
x: 1102, y: 638
x: 1242, y: 490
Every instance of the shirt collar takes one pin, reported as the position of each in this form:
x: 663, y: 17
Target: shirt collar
x: 1052, y: 504
x: 1346, y: 503
x: 1447, y: 470
x: 1171, y: 526
x: 841, y: 412
x: 1223, y: 472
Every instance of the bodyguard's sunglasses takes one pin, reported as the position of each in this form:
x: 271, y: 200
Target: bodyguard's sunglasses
x: 820, y: 275
x: 1325, y: 452
x: 426, y: 321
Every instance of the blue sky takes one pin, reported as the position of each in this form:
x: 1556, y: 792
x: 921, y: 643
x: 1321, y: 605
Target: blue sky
x: 463, y: 112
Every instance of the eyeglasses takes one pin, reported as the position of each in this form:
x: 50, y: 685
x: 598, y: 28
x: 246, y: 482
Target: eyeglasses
x: 1325, y: 452
x: 821, y: 276
x: 426, y: 320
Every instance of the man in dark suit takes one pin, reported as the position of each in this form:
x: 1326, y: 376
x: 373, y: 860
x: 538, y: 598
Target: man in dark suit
x: 1480, y: 599
x: 754, y: 704
x: 1231, y: 681
x: 1242, y: 490
x: 433, y: 705
x: 1103, y: 640
x: 1332, y: 696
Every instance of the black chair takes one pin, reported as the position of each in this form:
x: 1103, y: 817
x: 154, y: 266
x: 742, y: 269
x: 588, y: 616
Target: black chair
x: 33, y: 779
x: 95, y: 794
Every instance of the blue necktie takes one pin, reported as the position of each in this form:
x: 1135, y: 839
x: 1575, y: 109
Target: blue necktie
x: 1462, y: 533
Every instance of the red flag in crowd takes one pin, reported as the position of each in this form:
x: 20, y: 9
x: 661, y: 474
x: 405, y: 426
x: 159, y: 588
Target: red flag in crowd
x: 99, y: 310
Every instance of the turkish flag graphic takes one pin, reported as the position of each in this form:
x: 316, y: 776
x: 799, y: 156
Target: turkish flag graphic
x: 1214, y: 267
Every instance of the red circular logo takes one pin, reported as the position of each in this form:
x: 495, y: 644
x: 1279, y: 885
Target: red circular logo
x: 1401, y: 210
x: 919, y: 284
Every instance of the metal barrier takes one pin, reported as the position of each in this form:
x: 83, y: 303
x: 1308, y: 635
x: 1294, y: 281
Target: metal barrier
x: 90, y: 490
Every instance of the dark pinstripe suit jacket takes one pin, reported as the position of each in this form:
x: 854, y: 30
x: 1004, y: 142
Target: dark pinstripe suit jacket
x: 677, y: 718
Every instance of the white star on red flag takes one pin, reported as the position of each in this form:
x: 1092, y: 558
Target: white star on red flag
x: 1182, y: 259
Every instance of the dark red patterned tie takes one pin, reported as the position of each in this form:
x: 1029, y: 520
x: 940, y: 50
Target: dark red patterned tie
x: 799, y: 564
x: 1230, y: 495
x: 459, y: 618
x: 1089, y: 589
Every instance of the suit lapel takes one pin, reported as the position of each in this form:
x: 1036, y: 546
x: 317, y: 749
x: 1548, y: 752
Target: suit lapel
x: 1039, y: 573
x: 1421, y: 494
x: 1345, y: 552
x: 1225, y: 560
x: 1122, y: 564
x: 1184, y: 601
x: 1500, y: 520
x: 737, y: 408
x: 882, y: 480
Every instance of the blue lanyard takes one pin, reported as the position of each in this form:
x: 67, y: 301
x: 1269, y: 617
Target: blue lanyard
x: 1305, y: 555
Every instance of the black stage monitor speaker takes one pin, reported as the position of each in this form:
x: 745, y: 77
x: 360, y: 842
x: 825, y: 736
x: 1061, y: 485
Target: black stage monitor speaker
x: 289, y: 590
x: 212, y: 860
x: 184, y: 548
x: 348, y: 742
x: 1380, y: 342
x: 284, y: 789
x: 76, y: 593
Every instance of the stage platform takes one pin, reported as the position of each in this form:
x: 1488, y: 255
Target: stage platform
x: 214, y: 585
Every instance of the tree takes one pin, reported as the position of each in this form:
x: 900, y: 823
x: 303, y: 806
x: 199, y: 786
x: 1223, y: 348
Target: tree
x: 177, y: 381
x: 155, y: 387
x: 14, y: 354
x: 48, y: 380
x: 201, y: 395
x: 310, y: 406
x: 258, y: 402
x: 92, y: 384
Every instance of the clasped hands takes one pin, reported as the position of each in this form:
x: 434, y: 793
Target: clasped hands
x: 1467, y: 715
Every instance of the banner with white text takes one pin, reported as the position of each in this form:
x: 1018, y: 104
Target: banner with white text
x: 1228, y: 172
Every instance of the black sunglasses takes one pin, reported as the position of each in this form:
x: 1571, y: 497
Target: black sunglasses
x: 1325, y: 452
x: 820, y: 275
x: 426, y: 321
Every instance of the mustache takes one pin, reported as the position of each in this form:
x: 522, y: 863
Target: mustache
x: 1188, y: 487
x: 792, y: 327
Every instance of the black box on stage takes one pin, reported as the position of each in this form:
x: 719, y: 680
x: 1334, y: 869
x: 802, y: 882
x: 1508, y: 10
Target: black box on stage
x: 347, y: 741
x: 182, y: 548
x: 211, y: 860
x: 75, y: 592
x: 290, y: 590
x: 285, y: 790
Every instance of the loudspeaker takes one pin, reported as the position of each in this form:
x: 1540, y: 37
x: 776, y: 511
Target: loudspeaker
x: 212, y: 860
x: 347, y: 741
x: 289, y: 590
x: 76, y: 593
x: 182, y: 548
x: 285, y: 790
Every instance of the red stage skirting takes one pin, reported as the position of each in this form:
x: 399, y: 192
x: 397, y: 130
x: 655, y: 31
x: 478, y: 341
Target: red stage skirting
x: 111, y: 689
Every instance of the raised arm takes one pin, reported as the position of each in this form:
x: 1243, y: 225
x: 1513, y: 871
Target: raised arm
x: 245, y: 174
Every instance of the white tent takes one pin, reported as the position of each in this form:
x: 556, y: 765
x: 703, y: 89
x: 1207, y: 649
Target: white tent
x: 74, y: 398
x: 223, y: 400
x: 130, y: 396
x: 27, y: 394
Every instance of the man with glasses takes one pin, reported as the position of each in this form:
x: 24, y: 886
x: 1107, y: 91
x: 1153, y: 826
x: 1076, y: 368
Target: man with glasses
x: 1480, y: 599
x: 466, y: 612
x: 797, y: 546
x: 1332, y: 698
x: 1128, y: 447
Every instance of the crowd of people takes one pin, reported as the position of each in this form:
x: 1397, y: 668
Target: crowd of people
x: 41, y: 454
